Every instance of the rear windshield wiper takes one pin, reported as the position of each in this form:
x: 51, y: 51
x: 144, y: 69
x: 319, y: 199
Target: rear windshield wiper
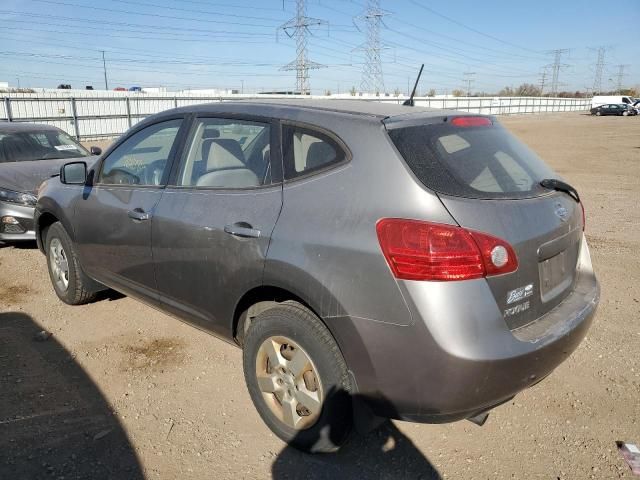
x: 559, y: 185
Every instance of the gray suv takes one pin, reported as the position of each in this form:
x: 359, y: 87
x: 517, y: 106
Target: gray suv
x: 371, y: 260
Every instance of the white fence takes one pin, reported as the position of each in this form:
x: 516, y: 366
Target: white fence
x: 90, y: 116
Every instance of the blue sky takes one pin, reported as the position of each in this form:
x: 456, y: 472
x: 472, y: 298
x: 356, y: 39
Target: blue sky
x: 233, y: 43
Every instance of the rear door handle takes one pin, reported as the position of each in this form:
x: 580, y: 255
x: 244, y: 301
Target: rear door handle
x: 138, y: 214
x: 242, y: 229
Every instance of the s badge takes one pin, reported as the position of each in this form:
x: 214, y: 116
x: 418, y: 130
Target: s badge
x: 519, y: 294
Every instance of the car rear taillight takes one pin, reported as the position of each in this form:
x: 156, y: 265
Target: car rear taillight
x: 417, y: 250
x: 471, y: 121
x: 584, y: 216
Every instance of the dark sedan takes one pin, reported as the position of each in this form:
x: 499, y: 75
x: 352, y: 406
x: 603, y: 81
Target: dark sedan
x: 29, y: 154
x: 613, y: 109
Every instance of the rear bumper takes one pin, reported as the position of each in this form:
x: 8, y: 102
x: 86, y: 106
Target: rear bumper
x: 459, y: 358
x: 23, y: 229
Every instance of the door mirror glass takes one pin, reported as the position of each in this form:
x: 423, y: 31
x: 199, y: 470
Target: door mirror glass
x: 74, y: 173
x: 96, y: 150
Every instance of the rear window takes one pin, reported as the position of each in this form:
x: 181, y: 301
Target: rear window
x: 471, y: 161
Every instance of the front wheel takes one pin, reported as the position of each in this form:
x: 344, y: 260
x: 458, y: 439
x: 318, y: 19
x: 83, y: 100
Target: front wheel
x: 598, y: 113
x: 625, y: 114
x: 64, y: 268
x: 298, y: 379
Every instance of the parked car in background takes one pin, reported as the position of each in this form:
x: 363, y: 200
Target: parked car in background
x: 418, y: 264
x: 614, y: 109
x: 29, y: 154
x: 607, y: 99
x: 119, y: 89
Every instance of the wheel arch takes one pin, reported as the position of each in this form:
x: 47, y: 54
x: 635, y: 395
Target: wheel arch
x: 345, y: 334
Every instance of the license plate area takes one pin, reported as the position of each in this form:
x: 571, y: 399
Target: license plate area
x: 557, y: 273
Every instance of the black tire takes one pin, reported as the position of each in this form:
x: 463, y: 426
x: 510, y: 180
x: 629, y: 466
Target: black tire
x: 335, y: 421
x: 76, y: 293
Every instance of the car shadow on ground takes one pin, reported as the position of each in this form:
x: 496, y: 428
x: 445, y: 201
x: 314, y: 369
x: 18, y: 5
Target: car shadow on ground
x: 54, y: 421
x: 383, y: 453
x: 24, y: 245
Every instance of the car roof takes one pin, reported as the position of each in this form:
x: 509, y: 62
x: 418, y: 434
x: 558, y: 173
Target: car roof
x: 11, y: 127
x: 288, y: 107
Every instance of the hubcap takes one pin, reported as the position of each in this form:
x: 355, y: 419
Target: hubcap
x: 289, y: 382
x: 59, y: 265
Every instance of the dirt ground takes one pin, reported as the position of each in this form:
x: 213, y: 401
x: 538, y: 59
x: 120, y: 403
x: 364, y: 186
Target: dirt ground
x: 123, y: 391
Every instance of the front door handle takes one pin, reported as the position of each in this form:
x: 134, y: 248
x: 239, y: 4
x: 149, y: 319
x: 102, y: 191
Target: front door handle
x: 242, y: 229
x: 138, y: 214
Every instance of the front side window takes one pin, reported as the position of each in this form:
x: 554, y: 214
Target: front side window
x: 143, y: 158
x: 307, y: 151
x: 38, y: 145
x: 227, y: 153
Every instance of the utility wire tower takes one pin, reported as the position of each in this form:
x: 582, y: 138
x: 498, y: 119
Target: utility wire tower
x: 298, y: 27
x: 543, y: 80
x: 555, y: 68
x: 469, y: 79
x: 372, y: 78
x: 599, y: 69
x: 104, y: 68
x: 621, y: 74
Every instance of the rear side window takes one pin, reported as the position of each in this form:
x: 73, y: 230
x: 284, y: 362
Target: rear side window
x: 306, y: 151
x: 471, y: 161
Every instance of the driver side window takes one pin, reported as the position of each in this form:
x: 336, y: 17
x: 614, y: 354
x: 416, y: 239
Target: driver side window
x: 143, y: 158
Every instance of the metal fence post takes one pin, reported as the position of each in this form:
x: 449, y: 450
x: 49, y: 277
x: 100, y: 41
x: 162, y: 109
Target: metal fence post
x: 175, y: 102
x: 74, y: 112
x: 128, y: 111
x: 7, y: 108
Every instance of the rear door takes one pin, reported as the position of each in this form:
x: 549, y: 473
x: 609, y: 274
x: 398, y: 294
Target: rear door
x: 113, y: 217
x: 212, y: 226
x: 490, y: 182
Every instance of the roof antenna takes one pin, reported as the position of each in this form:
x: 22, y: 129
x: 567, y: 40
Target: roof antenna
x: 409, y: 101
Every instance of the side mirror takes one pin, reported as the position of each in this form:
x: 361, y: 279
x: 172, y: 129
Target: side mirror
x: 95, y: 151
x: 74, y: 173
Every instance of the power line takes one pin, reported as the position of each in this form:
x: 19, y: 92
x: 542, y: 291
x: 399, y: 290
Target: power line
x: 471, y: 28
x: 372, y: 78
x: 298, y: 27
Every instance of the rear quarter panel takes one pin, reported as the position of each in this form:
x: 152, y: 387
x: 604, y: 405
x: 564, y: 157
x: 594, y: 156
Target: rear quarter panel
x: 325, y: 248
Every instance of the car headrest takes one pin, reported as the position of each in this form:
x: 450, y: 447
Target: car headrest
x: 225, y: 153
x: 319, y: 153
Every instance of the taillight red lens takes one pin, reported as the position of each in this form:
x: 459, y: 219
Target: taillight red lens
x: 417, y: 250
x: 471, y: 122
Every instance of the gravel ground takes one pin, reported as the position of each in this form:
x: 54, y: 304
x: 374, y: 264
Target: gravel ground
x: 123, y: 391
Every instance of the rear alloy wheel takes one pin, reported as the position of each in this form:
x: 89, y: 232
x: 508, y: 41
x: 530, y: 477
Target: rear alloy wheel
x: 64, y: 269
x: 298, y: 379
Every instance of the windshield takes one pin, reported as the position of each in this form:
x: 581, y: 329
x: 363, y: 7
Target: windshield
x: 471, y: 161
x: 38, y: 145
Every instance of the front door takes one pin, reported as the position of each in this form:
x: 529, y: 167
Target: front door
x: 113, y: 219
x: 212, y: 227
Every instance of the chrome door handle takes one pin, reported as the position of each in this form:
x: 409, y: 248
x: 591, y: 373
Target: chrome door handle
x: 138, y: 214
x: 241, y: 230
